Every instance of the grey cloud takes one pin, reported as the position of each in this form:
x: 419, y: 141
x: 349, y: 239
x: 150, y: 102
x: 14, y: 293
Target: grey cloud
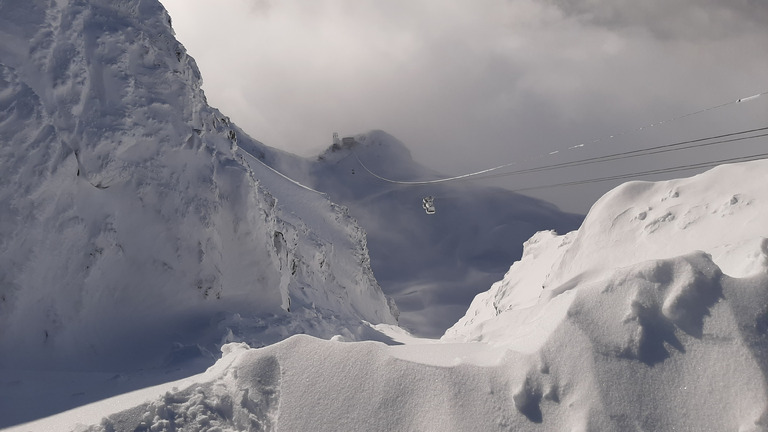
x: 260, y: 6
x: 468, y: 85
x: 675, y: 19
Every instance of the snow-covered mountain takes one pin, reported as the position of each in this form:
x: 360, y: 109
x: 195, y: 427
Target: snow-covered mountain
x: 432, y: 265
x: 133, y: 231
x: 139, y: 228
x: 651, y: 316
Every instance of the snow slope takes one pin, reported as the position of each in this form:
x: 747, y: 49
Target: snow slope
x: 719, y: 213
x: 133, y: 231
x: 652, y: 316
x: 432, y: 265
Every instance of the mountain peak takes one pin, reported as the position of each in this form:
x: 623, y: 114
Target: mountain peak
x: 375, y: 144
x: 124, y: 195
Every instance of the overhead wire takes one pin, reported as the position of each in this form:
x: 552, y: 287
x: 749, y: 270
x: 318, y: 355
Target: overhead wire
x: 682, y: 145
x: 281, y: 174
x: 651, y: 172
x: 630, y: 154
x: 666, y: 148
x: 635, y: 130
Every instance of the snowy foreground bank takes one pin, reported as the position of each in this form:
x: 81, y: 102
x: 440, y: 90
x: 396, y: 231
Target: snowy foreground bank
x: 652, y: 316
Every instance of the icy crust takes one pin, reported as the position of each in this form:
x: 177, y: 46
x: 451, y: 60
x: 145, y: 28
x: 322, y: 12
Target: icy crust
x: 129, y: 224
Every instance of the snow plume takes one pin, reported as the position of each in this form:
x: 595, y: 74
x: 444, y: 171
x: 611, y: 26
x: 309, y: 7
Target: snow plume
x: 651, y: 316
x: 132, y: 233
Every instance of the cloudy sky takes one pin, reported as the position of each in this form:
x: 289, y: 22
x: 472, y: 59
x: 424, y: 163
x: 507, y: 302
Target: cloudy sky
x: 469, y: 85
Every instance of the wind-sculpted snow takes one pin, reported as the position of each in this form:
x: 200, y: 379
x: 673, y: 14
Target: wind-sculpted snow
x: 133, y: 233
x: 664, y: 289
x: 244, y: 396
x: 717, y: 212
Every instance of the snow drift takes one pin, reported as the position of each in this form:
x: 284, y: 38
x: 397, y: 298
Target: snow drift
x: 652, y: 316
x: 133, y: 231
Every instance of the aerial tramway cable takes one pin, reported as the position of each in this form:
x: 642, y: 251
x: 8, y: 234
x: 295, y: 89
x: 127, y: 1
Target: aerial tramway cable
x: 428, y: 202
x: 678, y: 168
x: 281, y: 174
x: 697, y: 143
x: 591, y: 160
x: 709, y: 164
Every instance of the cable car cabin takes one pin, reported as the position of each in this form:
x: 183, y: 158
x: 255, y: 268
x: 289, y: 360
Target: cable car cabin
x: 429, y: 204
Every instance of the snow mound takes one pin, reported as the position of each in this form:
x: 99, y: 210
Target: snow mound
x: 636, y: 222
x: 717, y: 212
x: 134, y: 232
x: 659, y: 302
